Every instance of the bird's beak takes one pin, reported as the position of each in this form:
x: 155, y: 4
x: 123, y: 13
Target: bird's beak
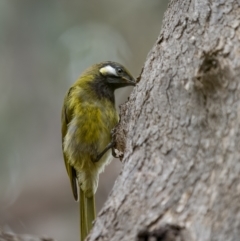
x: 119, y: 82
x: 129, y: 81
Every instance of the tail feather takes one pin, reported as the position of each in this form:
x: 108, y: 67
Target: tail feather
x: 83, y: 218
x: 87, y: 214
x: 91, y: 212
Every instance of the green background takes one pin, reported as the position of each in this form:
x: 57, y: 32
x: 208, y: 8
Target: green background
x: 44, y: 46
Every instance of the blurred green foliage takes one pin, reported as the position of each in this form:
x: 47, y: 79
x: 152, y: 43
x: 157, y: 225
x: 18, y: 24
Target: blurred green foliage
x: 44, y: 46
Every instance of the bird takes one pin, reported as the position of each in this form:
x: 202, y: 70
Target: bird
x: 88, y: 117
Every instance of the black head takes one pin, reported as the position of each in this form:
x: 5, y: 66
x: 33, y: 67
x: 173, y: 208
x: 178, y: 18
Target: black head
x: 106, y: 77
x: 115, y: 75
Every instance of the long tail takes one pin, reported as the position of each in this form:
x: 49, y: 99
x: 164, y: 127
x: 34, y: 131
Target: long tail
x: 83, y: 218
x: 91, y: 211
x: 87, y: 214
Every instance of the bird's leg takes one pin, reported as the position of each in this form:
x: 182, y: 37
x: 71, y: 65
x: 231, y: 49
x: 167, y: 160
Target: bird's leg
x: 109, y: 146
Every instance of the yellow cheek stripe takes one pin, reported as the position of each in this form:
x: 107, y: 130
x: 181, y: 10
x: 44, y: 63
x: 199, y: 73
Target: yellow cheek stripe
x: 108, y: 70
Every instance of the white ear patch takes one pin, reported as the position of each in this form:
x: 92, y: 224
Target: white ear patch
x: 108, y: 70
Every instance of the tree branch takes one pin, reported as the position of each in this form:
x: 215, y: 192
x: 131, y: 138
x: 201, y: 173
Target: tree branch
x: 4, y: 236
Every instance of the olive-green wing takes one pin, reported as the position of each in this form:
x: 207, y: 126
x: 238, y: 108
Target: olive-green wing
x: 66, y: 118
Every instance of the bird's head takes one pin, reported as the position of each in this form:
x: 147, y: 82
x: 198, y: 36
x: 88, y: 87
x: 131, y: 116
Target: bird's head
x: 115, y: 75
x: 104, y: 78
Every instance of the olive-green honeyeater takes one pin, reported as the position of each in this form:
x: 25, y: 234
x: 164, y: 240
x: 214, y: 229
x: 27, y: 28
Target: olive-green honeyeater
x: 88, y: 116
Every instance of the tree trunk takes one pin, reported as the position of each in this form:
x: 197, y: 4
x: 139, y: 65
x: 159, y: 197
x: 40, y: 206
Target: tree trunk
x: 181, y: 165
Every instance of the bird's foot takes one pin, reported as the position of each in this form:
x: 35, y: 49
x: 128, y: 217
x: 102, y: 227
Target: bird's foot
x: 109, y: 146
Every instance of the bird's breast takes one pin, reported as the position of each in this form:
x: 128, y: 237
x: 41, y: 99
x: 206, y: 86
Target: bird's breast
x: 91, y: 127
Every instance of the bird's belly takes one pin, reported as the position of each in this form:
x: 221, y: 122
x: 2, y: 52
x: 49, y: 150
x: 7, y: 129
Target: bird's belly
x: 88, y: 134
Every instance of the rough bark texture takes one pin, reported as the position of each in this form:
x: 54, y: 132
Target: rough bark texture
x: 181, y: 165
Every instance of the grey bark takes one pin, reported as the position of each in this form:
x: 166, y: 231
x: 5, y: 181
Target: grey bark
x: 181, y: 165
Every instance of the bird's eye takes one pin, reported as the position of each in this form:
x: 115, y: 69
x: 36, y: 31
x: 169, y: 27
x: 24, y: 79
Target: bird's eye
x: 119, y: 70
